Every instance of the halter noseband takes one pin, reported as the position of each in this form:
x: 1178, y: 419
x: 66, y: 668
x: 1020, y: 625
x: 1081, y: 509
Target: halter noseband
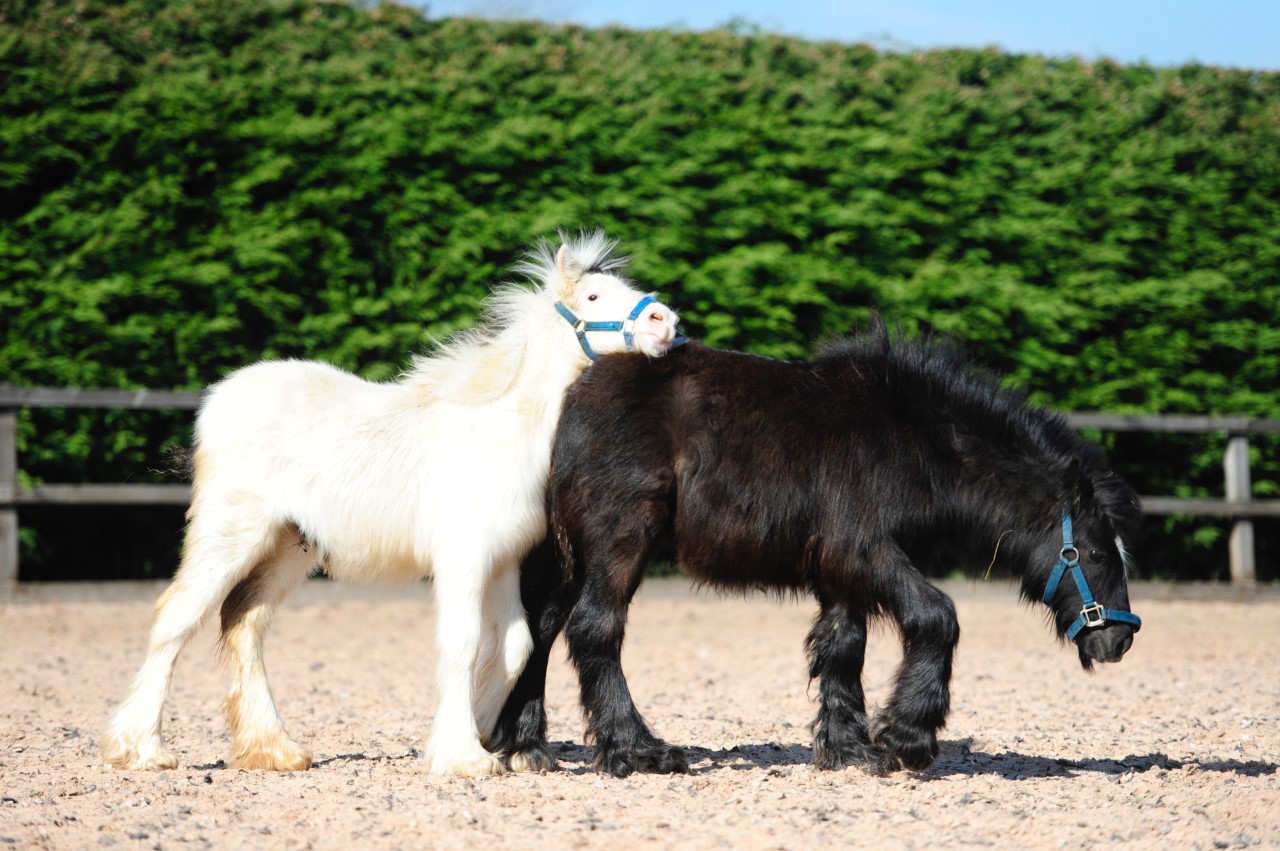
x: 626, y: 326
x: 1093, y: 613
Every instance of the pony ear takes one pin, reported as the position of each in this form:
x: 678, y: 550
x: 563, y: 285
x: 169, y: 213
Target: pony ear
x: 570, y: 269
x: 1078, y: 480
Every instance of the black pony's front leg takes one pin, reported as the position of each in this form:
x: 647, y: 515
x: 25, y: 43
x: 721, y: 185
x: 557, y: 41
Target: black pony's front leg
x: 623, y: 742
x: 917, y: 709
x: 837, y: 647
x: 520, y: 734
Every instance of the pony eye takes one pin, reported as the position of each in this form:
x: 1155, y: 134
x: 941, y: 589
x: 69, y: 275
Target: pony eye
x: 1096, y: 555
x: 592, y: 297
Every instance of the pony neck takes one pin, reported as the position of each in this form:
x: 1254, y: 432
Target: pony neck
x: 1008, y: 536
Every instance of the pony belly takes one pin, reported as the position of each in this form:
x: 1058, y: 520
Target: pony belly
x: 731, y: 549
x: 373, y: 568
x: 356, y: 544
x: 365, y: 548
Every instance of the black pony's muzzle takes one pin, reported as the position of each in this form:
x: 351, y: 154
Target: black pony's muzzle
x: 1105, y: 644
x: 1100, y: 634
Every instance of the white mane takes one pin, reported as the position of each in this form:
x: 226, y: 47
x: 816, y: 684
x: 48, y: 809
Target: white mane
x: 593, y: 251
x: 483, y: 362
x: 496, y: 347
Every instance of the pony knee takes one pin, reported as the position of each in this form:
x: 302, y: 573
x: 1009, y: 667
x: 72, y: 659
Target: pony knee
x: 594, y: 628
x: 932, y: 622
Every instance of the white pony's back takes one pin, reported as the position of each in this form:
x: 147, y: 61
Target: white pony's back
x: 292, y: 440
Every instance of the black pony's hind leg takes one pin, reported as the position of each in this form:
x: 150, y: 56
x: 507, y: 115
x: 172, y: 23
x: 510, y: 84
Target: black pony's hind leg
x: 837, y: 647
x: 520, y: 734
x: 908, y: 725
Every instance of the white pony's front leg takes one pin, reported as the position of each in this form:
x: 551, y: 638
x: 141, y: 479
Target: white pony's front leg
x: 506, y: 647
x: 455, y: 747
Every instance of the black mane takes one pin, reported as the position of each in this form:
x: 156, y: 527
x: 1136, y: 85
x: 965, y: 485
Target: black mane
x: 939, y: 375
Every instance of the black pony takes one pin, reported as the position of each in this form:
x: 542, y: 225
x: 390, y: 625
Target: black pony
x: 843, y: 476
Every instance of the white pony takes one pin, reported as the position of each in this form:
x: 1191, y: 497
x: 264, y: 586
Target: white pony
x: 442, y: 473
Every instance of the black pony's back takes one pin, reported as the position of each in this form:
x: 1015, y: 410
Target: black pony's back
x: 884, y: 432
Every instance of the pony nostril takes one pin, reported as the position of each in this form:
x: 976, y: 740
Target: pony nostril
x: 1115, y: 652
x: 656, y: 316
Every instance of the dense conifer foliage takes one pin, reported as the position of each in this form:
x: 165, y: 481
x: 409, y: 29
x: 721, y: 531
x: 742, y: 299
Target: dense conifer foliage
x: 187, y: 186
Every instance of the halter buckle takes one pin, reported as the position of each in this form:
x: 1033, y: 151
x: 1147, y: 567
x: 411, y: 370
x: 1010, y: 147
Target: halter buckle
x: 1094, y: 615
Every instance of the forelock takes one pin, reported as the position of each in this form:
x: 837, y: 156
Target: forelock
x: 594, y: 252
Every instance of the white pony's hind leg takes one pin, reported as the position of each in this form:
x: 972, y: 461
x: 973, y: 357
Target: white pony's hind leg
x: 258, y: 737
x: 214, y: 560
x: 454, y: 747
x: 507, y: 647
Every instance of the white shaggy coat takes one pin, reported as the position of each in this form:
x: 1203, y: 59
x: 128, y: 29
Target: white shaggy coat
x: 441, y: 473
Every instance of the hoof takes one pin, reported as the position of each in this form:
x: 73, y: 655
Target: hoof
x: 534, y: 758
x: 659, y: 759
x: 828, y: 756
x: 916, y: 749
x: 160, y: 760
x: 480, y: 764
x: 281, y: 756
x: 137, y: 756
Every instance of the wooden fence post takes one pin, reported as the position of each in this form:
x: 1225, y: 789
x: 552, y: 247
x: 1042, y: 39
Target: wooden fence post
x: 1240, y: 548
x: 8, y: 497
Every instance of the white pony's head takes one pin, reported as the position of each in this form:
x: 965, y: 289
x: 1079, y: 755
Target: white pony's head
x: 598, y: 304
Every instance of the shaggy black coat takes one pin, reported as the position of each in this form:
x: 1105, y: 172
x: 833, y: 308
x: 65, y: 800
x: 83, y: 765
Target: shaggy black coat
x: 843, y: 477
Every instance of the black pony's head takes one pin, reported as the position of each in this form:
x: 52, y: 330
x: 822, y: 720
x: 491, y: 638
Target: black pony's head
x: 1101, y: 518
x: 1021, y: 470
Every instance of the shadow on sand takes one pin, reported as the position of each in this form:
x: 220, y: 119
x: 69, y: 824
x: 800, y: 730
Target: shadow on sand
x: 958, y: 759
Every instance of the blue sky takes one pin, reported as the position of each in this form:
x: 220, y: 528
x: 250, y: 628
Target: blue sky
x: 1233, y: 33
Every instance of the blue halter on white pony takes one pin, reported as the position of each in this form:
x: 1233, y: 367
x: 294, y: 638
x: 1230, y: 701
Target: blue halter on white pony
x: 626, y: 326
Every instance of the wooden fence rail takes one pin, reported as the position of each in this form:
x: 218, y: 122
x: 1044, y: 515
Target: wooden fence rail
x: 1237, y: 503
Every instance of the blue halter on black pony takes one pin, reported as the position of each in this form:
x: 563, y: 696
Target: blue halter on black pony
x: 1093, y: 613
x: 626, y: 326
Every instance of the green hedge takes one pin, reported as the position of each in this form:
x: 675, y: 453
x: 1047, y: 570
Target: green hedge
x: 186, y: 187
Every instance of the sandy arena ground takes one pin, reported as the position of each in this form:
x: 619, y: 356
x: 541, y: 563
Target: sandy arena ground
x: 1175, y: 747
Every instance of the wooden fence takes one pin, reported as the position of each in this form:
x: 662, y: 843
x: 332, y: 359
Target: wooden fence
x: 1237, y: 503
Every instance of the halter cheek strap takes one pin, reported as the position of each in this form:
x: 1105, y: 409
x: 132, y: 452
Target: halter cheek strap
x: 626, y: 326
x: 1093, y: 613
